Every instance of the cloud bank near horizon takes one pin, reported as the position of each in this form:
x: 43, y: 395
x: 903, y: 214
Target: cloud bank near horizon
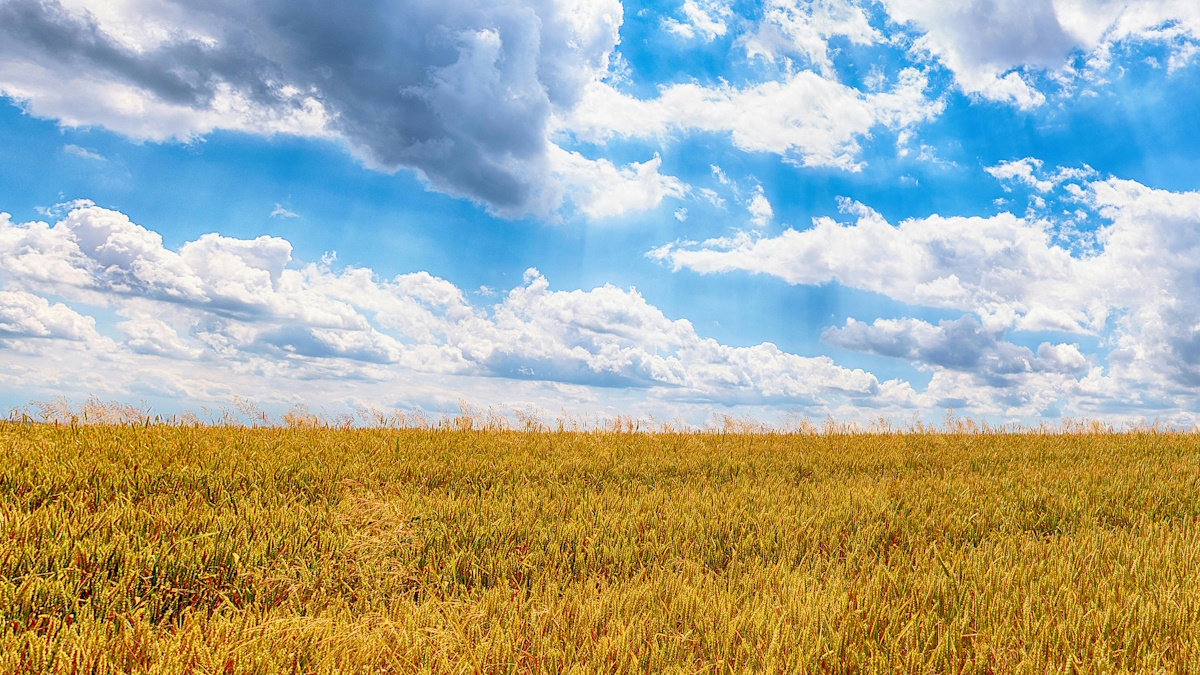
x: 94, y: 302
x: 220, y: 310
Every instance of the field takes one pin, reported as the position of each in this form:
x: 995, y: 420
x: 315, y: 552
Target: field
x: 180, y: 549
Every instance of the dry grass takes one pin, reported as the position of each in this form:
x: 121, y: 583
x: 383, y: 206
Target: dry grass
x: 172, y: 549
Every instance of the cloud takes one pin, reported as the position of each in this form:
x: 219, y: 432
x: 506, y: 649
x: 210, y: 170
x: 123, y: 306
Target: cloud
x: 760, y: 209
x: 1021, y: 171
x: 280, y: 211
x: 1002, y: 268
x: 981, y: 42
x: 220, y: 310
x: 613, y: 336
x: 1137, y: 290
x: 148, y: 335
x: 705, y: 18
x: 1028, y: 172
x: 806, y: 119
x: 962, y: 344
x: 461, y: 92
x: 83, y: 153
x: 24, y: 315
x: 97, y: 254
x: 803, y: 28
x: 1150, y: 270
x: 600, y: 189
x: 975, y: 369
x: 475, y: 97
x: 994, y: 48
x: 66, y: 65
x: 996, y: 51
x: 217, y: 314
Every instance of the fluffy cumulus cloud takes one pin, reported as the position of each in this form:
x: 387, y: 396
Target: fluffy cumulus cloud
x: 973, y: 368
x: 1136, y: 292
x: 699, y: 18
x: 994, y: 48
x: 601, y: 189
x: 805, y: 118
x: 613, y: 336
x: 24, y: 315
x: 1149, y: 272
x: 96, y: 304
x: 1003, y: 268
x: 1021, y: 171
x: 220, y: 310
x: 802, y: 29
x: 997, y: 51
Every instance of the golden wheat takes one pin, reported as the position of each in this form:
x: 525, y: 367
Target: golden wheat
x: 181, y: 549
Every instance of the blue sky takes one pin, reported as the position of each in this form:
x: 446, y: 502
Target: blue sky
x: 856, y: 209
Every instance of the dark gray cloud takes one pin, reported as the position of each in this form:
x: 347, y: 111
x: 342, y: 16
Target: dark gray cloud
x: 461, y: 91
x: 521, y: 367
x: 962, y: 344
x: 1004, y: 34
x: 303, y: 341
x: 185, y: 71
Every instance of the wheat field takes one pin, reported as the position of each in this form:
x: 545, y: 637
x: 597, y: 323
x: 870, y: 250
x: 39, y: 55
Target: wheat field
x: 155, y: 548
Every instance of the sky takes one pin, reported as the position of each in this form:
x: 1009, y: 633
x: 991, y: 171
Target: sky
x: 837, y: 208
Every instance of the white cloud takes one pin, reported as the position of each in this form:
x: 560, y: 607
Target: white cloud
x: 993, y: 48
x: 1139, y: 290
x: 1150, y: 270
x: 24, y: 315
x: 83, y: 153
x: 803, y: 28
x: 142, y: 25
x: 220, y: 312
x: 280, y: 211
x: 221, y: 316
x: 981, y: 42
x: 148, y: 335
x: 1182, y: 57
x: 976, y: 264
x: 711, y: 196
x: 705, y: 18
x: 613, y: 336
x: 1021, y: 171
x: 760, y: 209
x: 974, y: 369
x: 806, y: 119
x: 600, y: 189
x: 475, y: 125
x: 97, y: 254
x: 1028, y: 172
